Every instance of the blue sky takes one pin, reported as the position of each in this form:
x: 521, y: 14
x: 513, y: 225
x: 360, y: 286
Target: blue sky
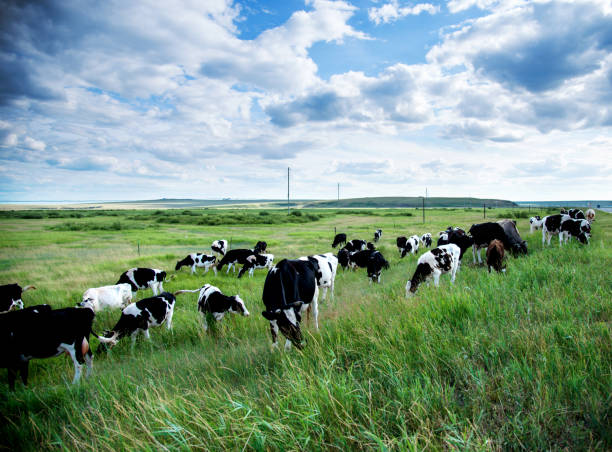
x: 215, y: 99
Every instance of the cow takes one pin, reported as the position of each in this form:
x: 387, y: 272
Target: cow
x: 256, y: 261
x: 142, y: 315
x: 356, y: 245
x: 344, y: 258
x: 535, y: 223
x: 212, y: 303
x: 377, y: 235
x: 234, y: 257
x: 289, y: 290
x: 359, y: 259
x: 260, y: 247
x: 551, y: 225
x: 10, y: 296
x: 513, y: 240
x: 41, y: 332
x: 495, y: 256
x: 576, y: 214
x: 482, y: 234
x: 143, y: 278
x: 411, y: 246
x: 376, y: 263
x: 117, y: 296
x: 219, y: 247
x: 579, y: 229
x: 426, y: 240
x: 458, y: 237
x: 443, y: 259
x: 326, y: 266
x: 339, y: 239
x: 401, y: 243
x: 194, y: 260
x: 590, y: 215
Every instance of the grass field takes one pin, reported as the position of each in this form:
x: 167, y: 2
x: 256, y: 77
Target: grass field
x: 515, y: 361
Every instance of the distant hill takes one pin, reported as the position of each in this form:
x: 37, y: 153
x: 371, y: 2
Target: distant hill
x: 406, y: 202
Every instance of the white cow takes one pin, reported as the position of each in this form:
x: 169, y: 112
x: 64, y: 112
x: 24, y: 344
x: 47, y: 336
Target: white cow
x: 99, y: 298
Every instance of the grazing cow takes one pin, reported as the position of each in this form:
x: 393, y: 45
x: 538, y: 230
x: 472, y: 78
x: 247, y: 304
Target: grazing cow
x: 142, y: 315
x: 411, y: 246
x: 117, y: 296
x: 426, y: 240
x: 289, y: 290
x: 513, y: 240
x: 579, y: 229
x: 194, y: 260
x: 234, y: 257
x: 483, y: 234
x: 495, y: 256
x: 442, y: 259
x: 40, y: 332
x: 10, y: 296
x: 401, y: 243
x: 535, y: 223
x: 356, y: 245
x: 219, y: 247
x: 260, y: 247
x: 326, y: 267
x: 576, y: 214
x: 551, y: 225
x: 359, y: 259
x: 376, y: 263
x: 143, y: 278
x: 377, y: 235
x: 339, y: 239
x: 256, y: 261
x: 458, y: 237
x: 212, y: 301
x: 590, y: 215
x: 344, y: 258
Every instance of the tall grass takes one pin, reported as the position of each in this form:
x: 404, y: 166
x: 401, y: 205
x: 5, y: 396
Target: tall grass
x: 515, y: 361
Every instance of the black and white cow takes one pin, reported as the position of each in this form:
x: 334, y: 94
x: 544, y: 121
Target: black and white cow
x: 426, y: 240
x: 576, y: 214
x: 339, y: 239
x: 256, y: 261
x: 401, y: 243
x: 377, y: 235
x: 411, y: 246
x: 579, y: 229
x: 375, y: 265
x: 344, y: 256
x: 482, y: 234
x: 99, y: 298
x: 326, y: 267
x: 144, y: 278
x: 213, y: 303
x: 443, y: 259
x: 458, y: 237
x: 551, y: 225
x: 260, y: 247
x: 41, y: 332
x: 535, y: 224
x: 10, y: 296
x: 142, y: 315
x: 234, y: 257
x: 289, y: 290
x: 359, y: 259
x: 219, y: 247
x: 356, y: 245
x: 194, y: 260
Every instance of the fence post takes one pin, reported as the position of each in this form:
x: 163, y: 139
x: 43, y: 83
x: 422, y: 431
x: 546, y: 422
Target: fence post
x: 484, y: 211
x: 139, y: 248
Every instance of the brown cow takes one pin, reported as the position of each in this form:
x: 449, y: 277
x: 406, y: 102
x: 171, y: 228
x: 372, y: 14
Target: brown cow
x: 495, y: 256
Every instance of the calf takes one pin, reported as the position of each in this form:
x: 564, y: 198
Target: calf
x: 442, y: 259
x: 10, y: 296
x: 377, y: 235
x: 482, y: 234
x: 255, y: 261
x: 143, y: 278
x: 260, y: 247
x: 535, y: 223
x: 326, y: 266
x: 411, y: 246
x: 376, y: 263
x: 458, y: 237
x: 590, y: 215
x: 212, y: 303
x: 551, y: 225
x: 233, y: 257
x: 289, y: 290
x: 219, y: 247
x: 194, y: 260
x: 426, y: 240
x: 495, y: 256
x: 339, y: 239
x: 401, y: 243
x: 117, y: 296
x: 355, y: 245
x: 142, y: 315
x: 576, y: 214
x: 579, y: 229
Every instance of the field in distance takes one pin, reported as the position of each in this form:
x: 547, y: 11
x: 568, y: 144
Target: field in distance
x: 514, y: 361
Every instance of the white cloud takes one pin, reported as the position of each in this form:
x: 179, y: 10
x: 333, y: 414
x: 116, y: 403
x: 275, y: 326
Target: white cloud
x: 390, y: 12
x: 35, y: 145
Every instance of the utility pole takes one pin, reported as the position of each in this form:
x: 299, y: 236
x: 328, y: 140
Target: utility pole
x: 338, y: 191
x: 287, y: 190
x: 423, y: 210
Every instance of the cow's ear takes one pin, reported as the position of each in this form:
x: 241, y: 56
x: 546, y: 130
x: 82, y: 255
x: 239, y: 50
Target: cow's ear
x: 270, y: 315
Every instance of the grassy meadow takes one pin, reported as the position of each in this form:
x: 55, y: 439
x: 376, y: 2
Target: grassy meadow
x: 515, y: 361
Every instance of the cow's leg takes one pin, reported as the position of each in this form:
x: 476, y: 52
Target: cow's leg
x: 543, y: 236
x: 251, y: 271
x: 204, y: 322
x: 274, y: 333
x: 160, y: 287
x: 134, y: 334
x: 561, y: 238
x: 153, y: 287
x: 70, y: 349
x: 193, y: 269
x: 24, y: 370
x: 89, y: 363
x: 453, y: 273
x: 474, y: 253
x: 287, y: 345
x: 12, y: 375
x: 436, y: 277
x: 147, y: 335
x: 324, y: 294
x: 169, y: 318
x: 315, y: 307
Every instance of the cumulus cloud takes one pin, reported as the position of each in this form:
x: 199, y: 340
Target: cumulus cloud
x: 390, y: 12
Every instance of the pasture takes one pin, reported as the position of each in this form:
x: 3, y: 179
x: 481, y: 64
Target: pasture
x: 515, y: 361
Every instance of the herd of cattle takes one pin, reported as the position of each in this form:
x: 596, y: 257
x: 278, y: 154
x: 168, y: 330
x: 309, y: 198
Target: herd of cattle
x: 291, y: 288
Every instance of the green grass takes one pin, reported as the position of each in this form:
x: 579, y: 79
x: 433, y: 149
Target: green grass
x: 515, y: 361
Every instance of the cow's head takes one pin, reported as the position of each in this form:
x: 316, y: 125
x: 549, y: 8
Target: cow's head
x: 288, y: 319
x: 410, y: 288
x: 238, y: 306
x: 87, y: 303
x: 583, y: 238
x: 520, y: 248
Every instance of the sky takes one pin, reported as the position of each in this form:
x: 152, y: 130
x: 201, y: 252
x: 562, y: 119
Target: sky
x: 214, y: 99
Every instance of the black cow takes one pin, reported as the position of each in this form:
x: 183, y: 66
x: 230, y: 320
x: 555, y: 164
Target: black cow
x: 377, y: 235
x: 10, y: 296
x: 289, y: 290
x: 260, y: 247
x: 344, y: 258
x: 482, y: 234
x: 359, y: 258
x: 256, y: 261
x: 194, y: 260
x: 576, y: 214
x: 233, y: 257
x: 211, y: 301
x: 339, y: 239
x: 376, y: 263
x: 513, y: 241
x: 143, y: 278
x: 456, y: 236
x: 401, y: 243
x: 579, y: 229
x: 356, y: 245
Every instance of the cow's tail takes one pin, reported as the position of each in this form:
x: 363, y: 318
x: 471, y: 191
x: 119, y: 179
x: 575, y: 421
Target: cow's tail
x: 185, y: 291
x: 106, y: 340
x: 26, y: 288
